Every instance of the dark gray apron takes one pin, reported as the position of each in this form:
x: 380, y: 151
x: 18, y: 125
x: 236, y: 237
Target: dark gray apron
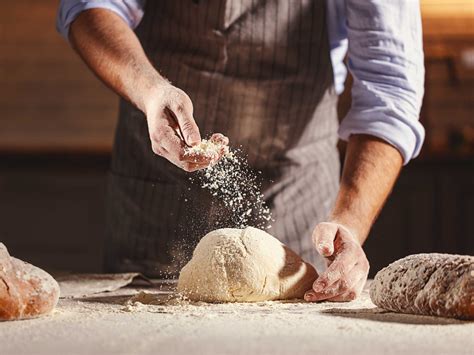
x: 258, y: 72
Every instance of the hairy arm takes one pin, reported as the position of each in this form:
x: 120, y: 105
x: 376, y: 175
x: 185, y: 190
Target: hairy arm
x: 370, y: 171
x: 113, y: 52
x: 385, y: 58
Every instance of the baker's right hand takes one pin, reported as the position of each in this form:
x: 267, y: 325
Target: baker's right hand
x: 172, y: 127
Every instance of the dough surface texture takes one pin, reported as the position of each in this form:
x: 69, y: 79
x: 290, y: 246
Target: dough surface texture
x: 427, y: 284
x: 244, y: 265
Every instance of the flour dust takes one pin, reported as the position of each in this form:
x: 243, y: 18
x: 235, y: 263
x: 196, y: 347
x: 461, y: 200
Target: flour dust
x: 233, y: 183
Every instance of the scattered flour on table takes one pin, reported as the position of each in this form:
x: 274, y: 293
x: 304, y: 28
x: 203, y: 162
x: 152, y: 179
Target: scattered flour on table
x: 176, y: 304
x: 290, y: 311
x: 235, y: 184
x: 99, y: 325
x: 141, y: 300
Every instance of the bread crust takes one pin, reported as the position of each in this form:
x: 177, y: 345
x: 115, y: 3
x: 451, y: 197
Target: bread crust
x: 26, y: 291
x: 427, y: 284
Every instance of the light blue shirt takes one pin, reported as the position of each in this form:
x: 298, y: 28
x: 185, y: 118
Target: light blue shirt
x: 383, y: 43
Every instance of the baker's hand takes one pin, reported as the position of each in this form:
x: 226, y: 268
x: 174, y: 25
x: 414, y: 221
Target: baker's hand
x: 172, y: 127
x: 348, y: 266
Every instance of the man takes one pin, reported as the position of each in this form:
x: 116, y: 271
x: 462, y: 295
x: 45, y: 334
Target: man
x: 266, y: 74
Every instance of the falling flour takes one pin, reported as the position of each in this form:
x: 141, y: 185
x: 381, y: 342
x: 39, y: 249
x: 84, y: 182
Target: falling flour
x: 233, y: 182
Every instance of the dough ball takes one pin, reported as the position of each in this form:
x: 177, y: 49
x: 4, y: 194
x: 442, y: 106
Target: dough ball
x: 244, y: 265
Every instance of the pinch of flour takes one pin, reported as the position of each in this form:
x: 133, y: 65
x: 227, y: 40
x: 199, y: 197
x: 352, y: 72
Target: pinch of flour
x: 232, y: 181
x: 207, y: 148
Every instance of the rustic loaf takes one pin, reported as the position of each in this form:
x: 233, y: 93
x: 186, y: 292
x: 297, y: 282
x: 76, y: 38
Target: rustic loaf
x: 427, y: 284
x: 25, y: 290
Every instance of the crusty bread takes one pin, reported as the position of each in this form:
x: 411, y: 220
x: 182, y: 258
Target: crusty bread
x: 427, y: 284
x: 25, y: 290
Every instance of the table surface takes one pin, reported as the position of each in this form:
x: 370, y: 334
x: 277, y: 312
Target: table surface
x: 110, y: 322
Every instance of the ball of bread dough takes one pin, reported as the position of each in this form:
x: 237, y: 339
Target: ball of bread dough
x: 244, y: 265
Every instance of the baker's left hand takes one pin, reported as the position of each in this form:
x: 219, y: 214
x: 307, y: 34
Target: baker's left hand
x: 348, y: 266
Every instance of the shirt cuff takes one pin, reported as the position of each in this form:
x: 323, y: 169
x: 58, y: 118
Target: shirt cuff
x: 131, y: 12
x: 407, y: 136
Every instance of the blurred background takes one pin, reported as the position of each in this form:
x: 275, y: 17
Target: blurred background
x: 57, y: 124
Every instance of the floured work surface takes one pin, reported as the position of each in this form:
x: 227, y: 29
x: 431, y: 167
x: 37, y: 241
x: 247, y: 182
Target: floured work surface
x: 83, y: 285
x: 115, y: 322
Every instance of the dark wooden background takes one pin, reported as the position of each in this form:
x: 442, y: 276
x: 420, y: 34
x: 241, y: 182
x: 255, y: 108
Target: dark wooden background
x: 56, y: 131
x: 49, y: 101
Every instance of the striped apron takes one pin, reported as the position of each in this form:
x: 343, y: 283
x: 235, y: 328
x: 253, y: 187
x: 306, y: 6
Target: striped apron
x: 257, y: 71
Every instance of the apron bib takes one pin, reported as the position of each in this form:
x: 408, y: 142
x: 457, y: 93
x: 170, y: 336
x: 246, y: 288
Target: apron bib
x: 260, y: 73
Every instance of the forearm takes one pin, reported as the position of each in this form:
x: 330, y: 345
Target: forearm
x: 370, y: 170
x: 114, y: 54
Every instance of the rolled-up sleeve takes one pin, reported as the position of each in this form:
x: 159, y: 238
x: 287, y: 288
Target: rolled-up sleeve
x: 385, y: 58
x: 131, y: 11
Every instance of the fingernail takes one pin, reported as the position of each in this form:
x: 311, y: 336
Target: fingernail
x: 309, y: 296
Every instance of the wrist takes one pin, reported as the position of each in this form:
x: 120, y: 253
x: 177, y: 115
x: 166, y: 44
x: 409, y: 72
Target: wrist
x: 352, y: 225
x: 151, y: 96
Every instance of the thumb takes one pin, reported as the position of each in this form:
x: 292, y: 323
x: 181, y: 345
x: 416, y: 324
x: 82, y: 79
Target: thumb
x: 187, y: 125
x: 323, y: 238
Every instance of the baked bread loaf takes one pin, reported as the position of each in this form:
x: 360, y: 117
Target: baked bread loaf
x: 25, y: 290
x: 427, y: 284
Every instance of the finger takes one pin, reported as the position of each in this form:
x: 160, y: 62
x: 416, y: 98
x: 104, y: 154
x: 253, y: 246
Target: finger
x: 171, y: 120
x: 359, y: 287
x: 339, y: 269
x: 329, y: 292
x: 352, y: 293
x: 192, y: 163
x: 323, y: 238
x: 168, y: 145
x: 176, y: 147
x: 198, y: 158
x: 185, y: 165
x: 219, y: 138
x: 341, y: 285
x: 354, y: 290
x: 171, y: 142
x: 164, y: 153
x: 191, y: 167
x: 344, y: 297
x: 186, y: 123
x: 223, y: 141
